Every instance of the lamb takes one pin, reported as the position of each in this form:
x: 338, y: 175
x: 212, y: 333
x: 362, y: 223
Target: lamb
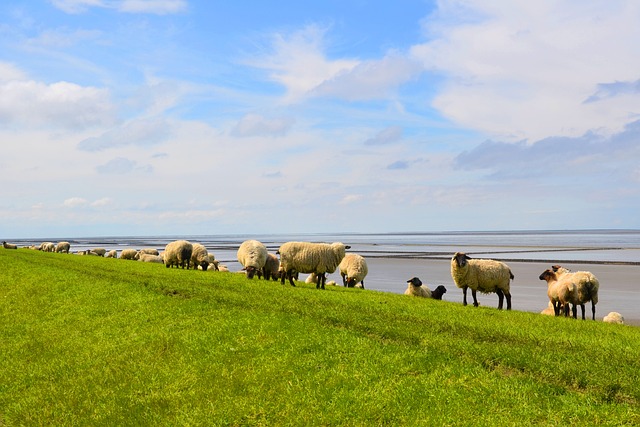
x: 484, y: 275
x: 587, y: 284
x: 614, y: 317
x: 306, y: 257
x: 252, y: 254
x: 271, y: 267
x: 353, y: 269
x: 562, y: 292
x: 199, y: 257
x: 128, y: 254
x: 9, y: 245
x: 63, y: 247
x: 144, y: 257
x: 112, y: 254
x: 178, y: 253
x: 439, y: 291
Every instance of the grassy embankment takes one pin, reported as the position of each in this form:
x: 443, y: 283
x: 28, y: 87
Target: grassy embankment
x: 93, y: 341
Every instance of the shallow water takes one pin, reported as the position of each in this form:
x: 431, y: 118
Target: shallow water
x: 393, y: 258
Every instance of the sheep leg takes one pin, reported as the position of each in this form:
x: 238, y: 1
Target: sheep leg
x: 593, y: 310
x: 556, y: 308
x: 575, y: 311
x: 500, y: 298
x: 362, y: 284
x: 344, y: 279
x: 464, y: 296
x: 582, y: 309
x: 322, y: 278
x: 508, y: 296
x: 475, y: 301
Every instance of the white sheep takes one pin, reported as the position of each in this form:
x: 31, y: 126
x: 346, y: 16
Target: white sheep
x: 484, y: 275
x: 353, y: 269
x: 271, y: 267
x: 587, y: 284
x: 130, y: 254
x: 306, y: 257
x: 99, y: 251
x: 199, y: 257
x: 47, y: 247
x: 144, y: 257
x: 9, y: 245
x: 63, y: 247
x: 150, y: 251
x: 415, y: 288
x: 111, y: 254
x: 614, y: 317
x: 252, y: 255
x: 178, y: 253
x: 562, y: 292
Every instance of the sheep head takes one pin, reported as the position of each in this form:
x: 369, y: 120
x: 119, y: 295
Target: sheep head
x: 548, y: 275
x: 415, y: 281
x: 438, y: 292
x: 461, y: 258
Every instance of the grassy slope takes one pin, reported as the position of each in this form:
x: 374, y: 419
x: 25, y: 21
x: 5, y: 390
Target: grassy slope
x: 92, y: 341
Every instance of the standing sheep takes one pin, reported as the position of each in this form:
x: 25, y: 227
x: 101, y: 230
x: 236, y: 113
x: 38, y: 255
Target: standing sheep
x: 306, y: 257
x: 63, y: 247
x: 9, y: 245
x: 561, y: 292
x: 178, y: 253
x: 99, y: 251
x: 199, y: 257
x: 130, y: 254
x: 112, y: 254
x: 252, y: 254
x: 484, y: 275
x: 587, y: 285
x: 271, y: 267
x: 353, y: 269
x: 47, y: 247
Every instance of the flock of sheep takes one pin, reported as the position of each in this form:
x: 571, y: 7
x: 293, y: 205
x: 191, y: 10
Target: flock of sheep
x: 566, y: 290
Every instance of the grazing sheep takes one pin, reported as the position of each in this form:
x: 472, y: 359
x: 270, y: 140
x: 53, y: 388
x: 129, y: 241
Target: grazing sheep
x: 614, y: 317
x: 143, y: 257
x: 587, y: 284
x: 199, y: 257
x: 252, y: 254
x: 112, y: 254
x: 130, y: 254
x: 416, y: 289
x: 178, y: 253
x: 484, y: 275
x: 63, y: 247
x: 439, y: 291
x: 99, y: 251
x: 561, y: 292
x: 9, y: 245
x: 306, y: 257
x: 271, y: 267
x: 47, y: 247
x: 353, y: 269
x: 150, y: 251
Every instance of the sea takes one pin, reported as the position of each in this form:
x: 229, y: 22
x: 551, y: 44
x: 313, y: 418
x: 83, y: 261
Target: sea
x: 395, y: 257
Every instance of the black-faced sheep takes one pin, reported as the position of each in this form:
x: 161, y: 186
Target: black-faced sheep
x: 415, y: 288
x: 484, y: 275
x: 561, y: 292
x: 178, y: 253
x: 307, y: 257
x: 9, y: 245
x: 199, y: 257
x: 587, y: 285
x: 252, y: 254
x: 353, y: 269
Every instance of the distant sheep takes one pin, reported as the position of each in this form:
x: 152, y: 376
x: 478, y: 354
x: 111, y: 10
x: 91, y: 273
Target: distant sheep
x: 484, y: 275
x: 306, y: 257
x: 9, y: 245
x: 47, y: 247
x: 112, y: 254
x: 63, y: 247
x: 271, y: 267
x: 562, y: 292
x: 143, y: 257
x: 252, y: 255
x: 353, y: 270
x: 150, y: 251
x: 415, y: 288
x: 99, y: 251
x: 614, y: 317
x: 129, y: 254
x: 587, y: 285
x: 178, y: 253
x: 199, y: 257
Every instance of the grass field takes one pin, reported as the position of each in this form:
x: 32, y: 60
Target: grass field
x: 101, y: 342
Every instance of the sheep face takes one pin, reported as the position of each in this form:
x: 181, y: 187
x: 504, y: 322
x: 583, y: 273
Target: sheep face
x: 461, y: 258
x: 251, y: 271
x: 415, y: 281
x: 547, y: 275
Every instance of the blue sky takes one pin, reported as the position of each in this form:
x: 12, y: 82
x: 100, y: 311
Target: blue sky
x: 139, y: 117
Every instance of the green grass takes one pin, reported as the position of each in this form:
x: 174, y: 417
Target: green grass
x: 104, y: 342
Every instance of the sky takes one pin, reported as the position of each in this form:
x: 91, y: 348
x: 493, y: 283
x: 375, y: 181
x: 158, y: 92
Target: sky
x: 189, y: 117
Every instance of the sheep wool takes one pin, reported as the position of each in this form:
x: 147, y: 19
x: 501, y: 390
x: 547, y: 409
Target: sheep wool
x: 484, y: 275
x: 353, y: 269
x: 178, y: 253
x: 63, y: 247
x: 143, y: 257
x: 415, y: 288
x: 130, y: 254
x: 112, y: 254
x: 587, y: 286
x: 614, y: 317
x: 271, y: 267
x: 561, y: 292
x: 199, y: 257
x: 307, y: 257
x: 99, y: 251
x: 252, y: 255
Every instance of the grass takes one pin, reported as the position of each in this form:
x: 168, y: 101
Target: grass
x: 94, y: 341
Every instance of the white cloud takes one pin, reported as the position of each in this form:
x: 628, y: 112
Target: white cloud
x: 257, y: 125
x: 10, y: 72
x: 61, y: 104
x: 523, y: 70
x: 143, y: 132
x: 157, y: 7
x: 75, y: 202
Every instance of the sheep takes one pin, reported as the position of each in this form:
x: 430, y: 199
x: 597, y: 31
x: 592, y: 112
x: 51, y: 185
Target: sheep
x: 130, y: 254
x: 252, y: 254
x: 63, y: 247
x: 562, y: 292
x: 199, y: 257
x: 178, y: 253
x: 614, y: 317
x: 484, y: 275
x: 112, y: 254
x: 9, y: 245
x: 306, y: 257
x: 271, y: 267
x: 438, y: 292
x: 99, y: 251
x: 416, y: 289
x: 149, y: 251
x: 353, y: 269
x: 47, y: 247
x: 587, y: 284
x: 144, y: 257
